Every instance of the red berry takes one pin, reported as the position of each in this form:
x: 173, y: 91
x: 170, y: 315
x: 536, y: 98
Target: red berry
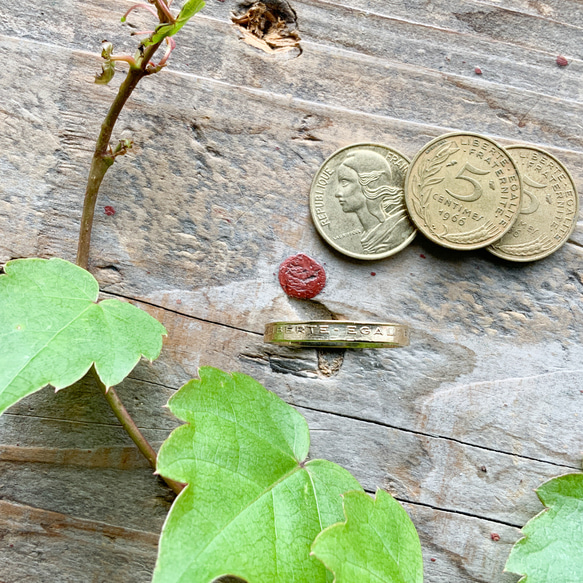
x: 109, y: 211
x: 301, y: 277
x: 561, y: 61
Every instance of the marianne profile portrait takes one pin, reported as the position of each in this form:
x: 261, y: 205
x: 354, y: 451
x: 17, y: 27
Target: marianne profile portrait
x: 370, y: 188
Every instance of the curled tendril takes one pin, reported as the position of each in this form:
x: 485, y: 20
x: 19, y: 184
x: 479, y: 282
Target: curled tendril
x: 171, y: 46
x: 153, y: 68
x: 141, y: 5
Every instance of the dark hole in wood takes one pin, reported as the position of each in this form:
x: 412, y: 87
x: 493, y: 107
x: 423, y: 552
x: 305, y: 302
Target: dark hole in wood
x: 269, y: 25
x: 279, y: 8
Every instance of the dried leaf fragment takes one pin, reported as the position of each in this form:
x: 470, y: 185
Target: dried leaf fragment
x: 262, y: 28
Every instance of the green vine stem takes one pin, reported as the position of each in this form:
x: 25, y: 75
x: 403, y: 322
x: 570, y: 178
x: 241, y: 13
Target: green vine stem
x: 102, y: 160
x: 131, y: 428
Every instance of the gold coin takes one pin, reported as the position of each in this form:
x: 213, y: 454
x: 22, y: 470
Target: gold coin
x: 337, y: 334
x: 463, y: 191
x: 358, y: 204
x: 549, y: 211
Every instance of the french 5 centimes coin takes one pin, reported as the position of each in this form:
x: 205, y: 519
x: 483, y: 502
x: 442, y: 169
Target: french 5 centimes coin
x: 463, y: 191
x: 357, y: 201
x: 549, y: 210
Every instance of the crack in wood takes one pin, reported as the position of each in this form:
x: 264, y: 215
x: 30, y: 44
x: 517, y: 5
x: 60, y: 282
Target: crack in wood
x: 436, y: 436
x: 190, y: 316
x: 451, y: 511
x: 90, y: 423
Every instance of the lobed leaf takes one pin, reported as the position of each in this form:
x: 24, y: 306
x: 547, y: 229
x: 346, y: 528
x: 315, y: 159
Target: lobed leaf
x: 378, y: 542
x: 552, y: 548
x: 253, y: 505
x: 170, y: 29
x: 52, y: 330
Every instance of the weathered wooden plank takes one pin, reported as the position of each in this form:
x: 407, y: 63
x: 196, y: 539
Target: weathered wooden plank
x: 194, y: 227
x: 42, y: 546
x: 403, y: 389
x: 492, y: 377
x: 424, y: 388
x: 462, y: 547
x: 417, y: 468
x: 566, y: 11
x: 134, y: 499
x: 540, y: 102
x: 545, y: 29
x: 394, y: 57
x: 467, y: 555
x: 539, y: 25
x: 47, y: 546
x: 115, y: 457
x: 510, y: 47
x: 84, y: 468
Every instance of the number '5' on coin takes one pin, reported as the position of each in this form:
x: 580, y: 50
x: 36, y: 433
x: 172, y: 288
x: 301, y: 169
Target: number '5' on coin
x: 463, y: 191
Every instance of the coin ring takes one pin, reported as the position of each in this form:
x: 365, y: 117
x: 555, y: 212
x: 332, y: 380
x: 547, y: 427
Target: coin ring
x: 519, y: 251
x: 322, y: 209
x: 337, y: 334
x: 499, y: 216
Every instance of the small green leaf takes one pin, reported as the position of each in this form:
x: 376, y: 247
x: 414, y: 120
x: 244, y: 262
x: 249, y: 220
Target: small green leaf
x: 107, y: 67
x: 52, y: 330
x: 552, y: 548
x: 253, y: 505
x: 170, y: 29
x: 378, y: 542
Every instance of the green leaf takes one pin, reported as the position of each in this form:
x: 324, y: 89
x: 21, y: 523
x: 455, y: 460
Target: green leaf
x: 378, y: 542
x: 52, y: 330
x: 170, y: 29
x: 107, y: 67
x: 552, y: 548
x: 253, y: 505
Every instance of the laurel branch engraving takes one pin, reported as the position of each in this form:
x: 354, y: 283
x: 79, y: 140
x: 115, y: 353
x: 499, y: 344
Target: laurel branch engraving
x: 481, y: 233
x: 426, y: 179
x: 541, y: 244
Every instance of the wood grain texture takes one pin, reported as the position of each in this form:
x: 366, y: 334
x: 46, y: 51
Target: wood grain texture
x: 461, y: 426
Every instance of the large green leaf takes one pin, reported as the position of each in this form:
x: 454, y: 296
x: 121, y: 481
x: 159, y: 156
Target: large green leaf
x: 552, y: 548
x: 170, y: 29
x: 253, y: 505
x: 52, y: 330
x: 377, y: 544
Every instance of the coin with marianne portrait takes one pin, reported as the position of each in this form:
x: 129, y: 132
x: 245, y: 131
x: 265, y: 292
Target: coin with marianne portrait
x: 463, y: 191
x: 357, y: 201
x: 549, y: 211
